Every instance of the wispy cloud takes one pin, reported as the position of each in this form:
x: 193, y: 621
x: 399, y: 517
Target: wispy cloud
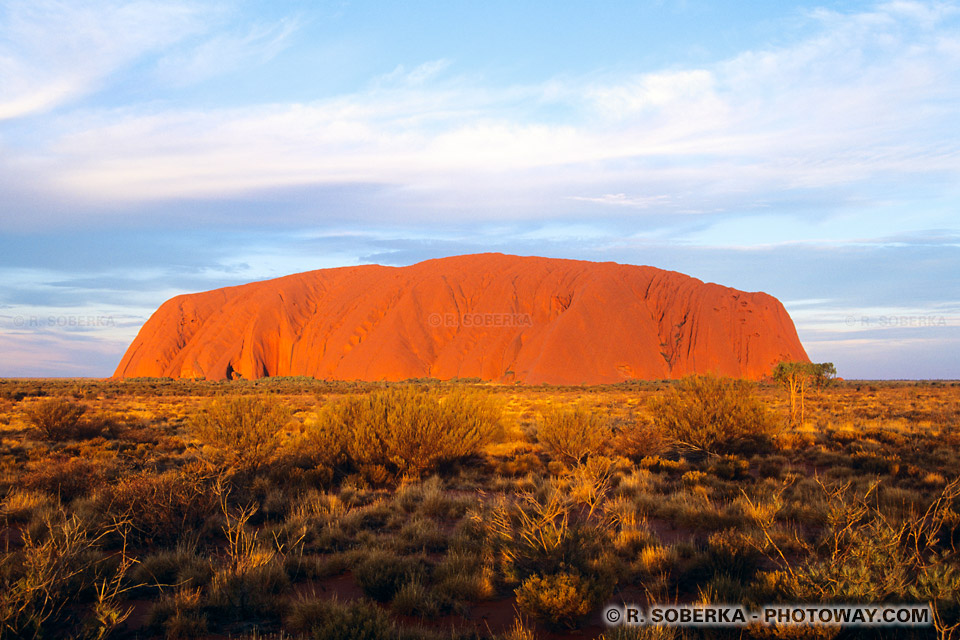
x: 54, y: 51
x: 623, y: 200
x: 238, y: 48
x: 815, y: 114
x: 419, y: 75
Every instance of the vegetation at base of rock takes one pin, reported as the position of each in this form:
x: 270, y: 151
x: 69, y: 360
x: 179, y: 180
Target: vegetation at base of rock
x: 151, y: 527
x: 713, y: 414
x: 243, y: 429
x: 404, y: 431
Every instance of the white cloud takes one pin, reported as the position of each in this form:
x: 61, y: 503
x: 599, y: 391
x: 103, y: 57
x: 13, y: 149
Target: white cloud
x: 686, y: 100
x: 623, y: 200
x: 224, y: 52
x: 54, y: 51
x: 864, y: 97
x: 417, y: 76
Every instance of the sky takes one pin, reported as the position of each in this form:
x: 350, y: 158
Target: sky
x: 810, y: 150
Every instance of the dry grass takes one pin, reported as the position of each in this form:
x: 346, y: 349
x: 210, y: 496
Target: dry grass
x: 237, y: 510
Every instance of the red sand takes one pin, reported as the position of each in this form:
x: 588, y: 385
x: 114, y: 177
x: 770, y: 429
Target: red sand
x: 490, y: 316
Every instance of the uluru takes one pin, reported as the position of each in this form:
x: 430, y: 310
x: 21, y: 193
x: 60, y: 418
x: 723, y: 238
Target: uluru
x: 491, y: 316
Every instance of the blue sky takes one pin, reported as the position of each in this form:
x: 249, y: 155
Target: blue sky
x: 807, y: 149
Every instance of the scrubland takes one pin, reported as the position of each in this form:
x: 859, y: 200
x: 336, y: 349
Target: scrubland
x: 296, y: 508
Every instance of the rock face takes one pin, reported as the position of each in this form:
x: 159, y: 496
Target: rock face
x: 490, y: 316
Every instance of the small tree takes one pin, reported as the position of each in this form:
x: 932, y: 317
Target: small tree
x: 823, y: 375
x: 797, y: 377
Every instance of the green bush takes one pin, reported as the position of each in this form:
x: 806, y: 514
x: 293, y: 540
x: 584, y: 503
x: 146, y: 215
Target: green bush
x: 772, y: 467
x: 638, y: 438
x: 414, y: 599
x: 255, y: 588
x: 244, y: 429
x: 560, y: 600
x: 159, y: 508
x: 404, y: 430
x: 875, y: 463
x: 179, y: 615
x: 732, y: 553
x: 730, y: 467
x: 381, y: 575
x: 543, y: 533
x: 693, y: 478
x: 333, y: 620
x: 712, y: 414
x: 64, y: 478
x: 461, y: 575
x: 59, y: 419
x: 41, y: 583
x: 573, y: 434
x: 179, y: 568
x: 865, y: 555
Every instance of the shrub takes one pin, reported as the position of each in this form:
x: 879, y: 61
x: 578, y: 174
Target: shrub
x: 406, y: 431
x: 245, y: 429
x: 772, y: 467
x: 717, y: 415
x: 252, y: 576
x: 878, y: 464
x: 40, y: 582
x: 519, y: 631
x: 381, y: 575
x: 252, y: 590
x: 160, y: 508
x: 571, y: 435
x: 732, y: 553
x: 693, y: 478
x: 520, y: 464
x: 20, y: 505
x: 462, y: 576
x: 864, y: 555
x: 663, y: 465
x: 544, y: 533
x: 59, y: 419
x: 64, y: 478
x: 421, y: 535
x: 181, y: 568
x: 560, y: 600
x: 730, y: 467
x: 179, y: 614
x: 656, y: 558
x: 638, y: 439
x: 413, y: 599
x: 327, y: 619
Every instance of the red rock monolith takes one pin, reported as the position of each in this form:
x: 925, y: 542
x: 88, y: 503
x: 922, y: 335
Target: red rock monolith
x: 491, y: 316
